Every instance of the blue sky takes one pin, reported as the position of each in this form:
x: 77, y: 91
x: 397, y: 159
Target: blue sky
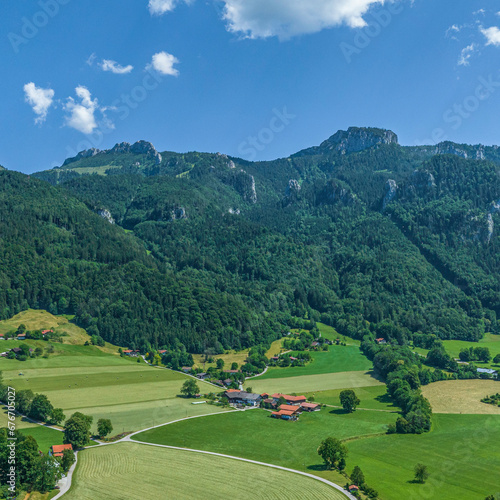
x: 259, y: 79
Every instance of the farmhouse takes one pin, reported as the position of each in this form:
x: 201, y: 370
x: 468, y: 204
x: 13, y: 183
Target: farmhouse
x: 241, y: 397
x: 130, y: 352
x: 22, y: 336
x: 202, y: 376
x: 46, y: 332
x: 58, y: 449
x: 381, y: 341
x: 162, y: 351
x: 2, y: 336
x: 353, y: 488
x: 285, y: 415
x: 186, y: 369
x: 291, y: 409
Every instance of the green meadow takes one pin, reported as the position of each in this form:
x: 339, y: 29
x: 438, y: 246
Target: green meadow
x: 461, y: 453
x: 453, y: 348
x: 311, y: 383
x: 133, y: 395
x: 135, y: 472
x: 336, y: 360
x: 255, y: 435
x: 372, y: 398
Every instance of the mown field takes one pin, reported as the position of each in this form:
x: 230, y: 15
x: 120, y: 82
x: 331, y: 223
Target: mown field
x: 461, y: 453
x: 255, y: 435
x: 134, y: 396
x: 136, y: 472
x: 96, y: 381
x: 462, y: 396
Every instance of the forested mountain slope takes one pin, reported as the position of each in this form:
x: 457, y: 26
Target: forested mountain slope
x: 360, y: 232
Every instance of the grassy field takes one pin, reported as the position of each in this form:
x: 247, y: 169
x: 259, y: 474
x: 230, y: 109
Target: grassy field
x: 461, y: 453
x: 313, y: 383
x: 136, y: 472
x: 229, y: 357
x: 492, y: 342
x: 43, y: 320
x: 462, y: 396
x: 373, y: 398
x: 336, y: 360
x: 453, y: 348
x: 134, y: 396
x: 254, y: 434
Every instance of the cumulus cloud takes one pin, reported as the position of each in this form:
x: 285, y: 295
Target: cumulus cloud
x: 163, y: 62
x: 82, y: 114
x: 466, y: 54
x: 287, y: 18
x: 492, y: 35
x: 159, y: 7
x: 39, y: 99
x: 114, y: 67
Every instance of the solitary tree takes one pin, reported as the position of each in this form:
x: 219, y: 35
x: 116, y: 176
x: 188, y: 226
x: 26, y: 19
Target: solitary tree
x: 77, y: 430
x: 220, y: 364
x: 333, y: 452
x: 190, y: 388
x: 249, y: 389
x: 349, y: 400
x: 421, y: 473
x: 234, y: 366
x: 104, y: 427
x: 357, y: 476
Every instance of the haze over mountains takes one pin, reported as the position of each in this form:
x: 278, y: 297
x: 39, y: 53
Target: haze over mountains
x: 369, y: 236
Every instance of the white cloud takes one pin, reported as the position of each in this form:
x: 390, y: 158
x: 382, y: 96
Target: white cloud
x: 466, y: 54
x: 39, y: 99
x: 287, y: 18
x: 114, y: 67
x: 159, y: 7
x: 163, y: 62
x: 91, y: 59
x: 492, y: 35
x: 82, y: 114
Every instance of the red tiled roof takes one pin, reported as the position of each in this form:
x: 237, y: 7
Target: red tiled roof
x: 127, y: 351
x: 232, y: 390
x: 291, y: 408
x: 264, y: 395
x: 295, y: 399
x: 46, y: 331
x: 58, y: 449
x: 353, y: 487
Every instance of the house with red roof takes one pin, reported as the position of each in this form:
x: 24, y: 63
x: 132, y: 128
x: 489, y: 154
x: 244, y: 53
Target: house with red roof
x: 57, y: 450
